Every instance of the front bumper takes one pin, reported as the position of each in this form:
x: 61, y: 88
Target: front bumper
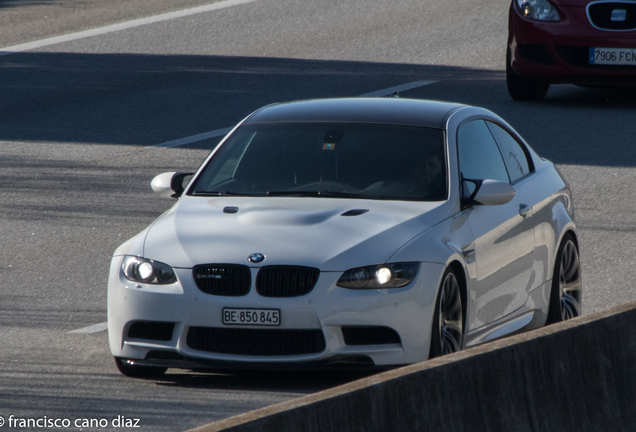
x: 175, y: 310
x: 558, y: 52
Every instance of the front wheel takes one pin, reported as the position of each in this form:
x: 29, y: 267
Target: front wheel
x: 130, y: 370
x: 448, y: 322
x: 522, y: 88
x: 566, y: 293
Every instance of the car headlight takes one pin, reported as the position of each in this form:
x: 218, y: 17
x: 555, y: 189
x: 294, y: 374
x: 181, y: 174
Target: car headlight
x: 147, y: 271
x: 393, y: 275
x: 540, y: 10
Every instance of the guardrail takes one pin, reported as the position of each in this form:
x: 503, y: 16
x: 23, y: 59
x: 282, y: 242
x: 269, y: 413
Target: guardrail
x: 579, y: 375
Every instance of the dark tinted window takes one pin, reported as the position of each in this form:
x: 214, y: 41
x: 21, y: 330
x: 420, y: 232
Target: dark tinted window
x: 513, y: 154
x: 479, y: 156
x: 366, y: 161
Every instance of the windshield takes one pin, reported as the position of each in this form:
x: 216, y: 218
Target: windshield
x: 328, y: 160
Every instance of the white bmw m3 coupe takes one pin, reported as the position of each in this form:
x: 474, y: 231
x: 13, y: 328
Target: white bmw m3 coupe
x: 347, y: 233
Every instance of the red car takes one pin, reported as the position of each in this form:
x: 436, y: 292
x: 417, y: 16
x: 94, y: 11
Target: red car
x: 583, y: 42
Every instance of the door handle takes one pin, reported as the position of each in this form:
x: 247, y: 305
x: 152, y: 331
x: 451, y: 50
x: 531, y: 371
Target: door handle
x: 524, y: 210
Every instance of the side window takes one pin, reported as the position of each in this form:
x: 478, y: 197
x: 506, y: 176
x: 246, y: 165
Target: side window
x: 479, y: 156
x: 514, y: 156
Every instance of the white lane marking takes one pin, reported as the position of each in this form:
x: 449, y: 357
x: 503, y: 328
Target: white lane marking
x: 403, y: 87
x: 121, y: 26
x: 221, y: 132
x: 92, y: 329
x: 194, y: 138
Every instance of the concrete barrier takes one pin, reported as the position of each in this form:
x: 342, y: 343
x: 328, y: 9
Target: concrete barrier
x: 575, y: 376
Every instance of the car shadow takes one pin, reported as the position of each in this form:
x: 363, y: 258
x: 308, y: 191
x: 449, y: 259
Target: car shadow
x: 294, y: 381
x: 145, y: 100
x: 136, y: 99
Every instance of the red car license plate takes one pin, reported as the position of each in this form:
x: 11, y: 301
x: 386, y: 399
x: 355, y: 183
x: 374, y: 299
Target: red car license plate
x: 613, y: 56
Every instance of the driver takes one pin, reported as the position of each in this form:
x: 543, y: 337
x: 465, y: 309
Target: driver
x: 429, y: 176
x: 423, y: 179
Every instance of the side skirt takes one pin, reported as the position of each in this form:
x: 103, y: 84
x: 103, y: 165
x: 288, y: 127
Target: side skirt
x: 530, y: 316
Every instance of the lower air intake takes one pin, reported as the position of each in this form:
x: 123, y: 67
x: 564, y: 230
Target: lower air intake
x: 370, y: 335
x: 256, y: 342
x: 151, y: 330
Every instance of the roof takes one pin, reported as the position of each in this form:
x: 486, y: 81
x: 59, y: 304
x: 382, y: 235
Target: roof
x: 408, y: 112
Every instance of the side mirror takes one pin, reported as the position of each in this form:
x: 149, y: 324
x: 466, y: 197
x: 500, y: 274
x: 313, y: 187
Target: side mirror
x: 493, y: 192
x: 489, y: 193
x: 170, y: 184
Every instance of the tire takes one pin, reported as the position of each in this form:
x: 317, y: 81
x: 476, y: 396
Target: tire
x: 522, y: 88
x: 448, y: 321
x: 138, y: 371
x: 566, y: 292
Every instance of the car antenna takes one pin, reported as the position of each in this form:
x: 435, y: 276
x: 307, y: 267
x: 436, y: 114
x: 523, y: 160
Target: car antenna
x: 395, y: 95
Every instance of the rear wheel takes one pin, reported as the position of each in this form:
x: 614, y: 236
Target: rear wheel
x: 522, y: 88
x: 448, y: 322
x: 128, y: 368
x: 565, y: 296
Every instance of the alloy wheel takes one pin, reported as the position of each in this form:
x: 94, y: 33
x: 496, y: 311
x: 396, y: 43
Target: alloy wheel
x: 570, y: 282
x: 450, y: 315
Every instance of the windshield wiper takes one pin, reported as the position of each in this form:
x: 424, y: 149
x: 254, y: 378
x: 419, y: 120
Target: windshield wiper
x: 206, y: 193
x: 326, y: 194
x: 323, y: 194
x: 243, y: 194
x: 217, y: 193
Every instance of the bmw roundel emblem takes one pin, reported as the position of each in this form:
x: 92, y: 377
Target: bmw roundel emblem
x: 256, y: 258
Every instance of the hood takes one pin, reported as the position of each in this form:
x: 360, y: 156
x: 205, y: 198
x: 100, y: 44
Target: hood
x: 288, y: 231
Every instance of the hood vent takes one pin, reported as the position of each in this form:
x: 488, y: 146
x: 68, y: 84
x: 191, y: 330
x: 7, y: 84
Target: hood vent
x: 355, y: 212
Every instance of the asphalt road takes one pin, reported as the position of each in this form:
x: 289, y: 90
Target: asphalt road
x: 79, y: 121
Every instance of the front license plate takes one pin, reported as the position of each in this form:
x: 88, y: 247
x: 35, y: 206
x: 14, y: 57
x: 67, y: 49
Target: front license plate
x: 613, y: 56
x: 259, y: 317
